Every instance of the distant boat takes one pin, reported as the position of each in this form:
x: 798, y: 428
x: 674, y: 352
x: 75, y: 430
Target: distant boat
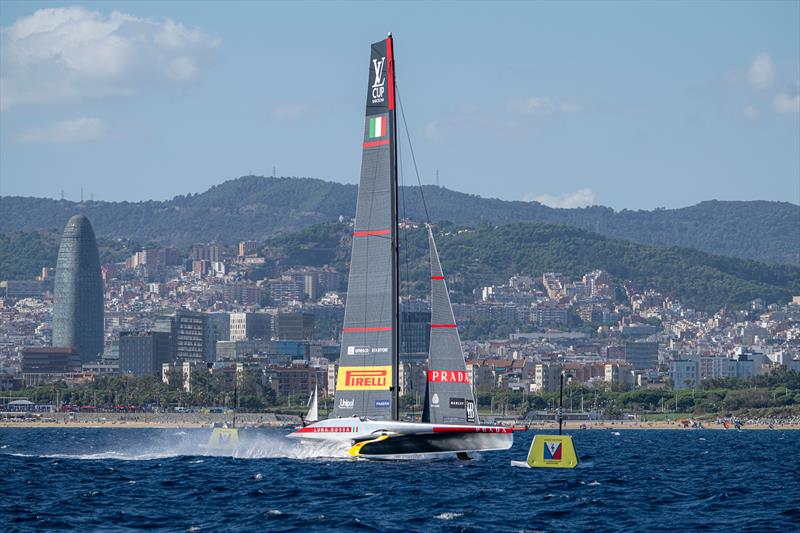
x: 222, y: 436
x: 366, y: 405
x: 313, y: 409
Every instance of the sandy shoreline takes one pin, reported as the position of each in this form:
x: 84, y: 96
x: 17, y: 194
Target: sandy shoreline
x: 151, y: 420
x: 616, y: 426
x: 271, y: 420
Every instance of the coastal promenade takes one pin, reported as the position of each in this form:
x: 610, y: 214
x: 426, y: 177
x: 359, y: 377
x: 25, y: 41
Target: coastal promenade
x: 205, y: 420
x: 615, y: 425
x: 150, y: 420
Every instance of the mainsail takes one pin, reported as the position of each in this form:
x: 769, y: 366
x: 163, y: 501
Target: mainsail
x: 449, y: 397
x: 313, y: 408
x: 366, y: 380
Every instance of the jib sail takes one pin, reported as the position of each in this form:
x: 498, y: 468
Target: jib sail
x: 449, y: 396
x: 367, y: 372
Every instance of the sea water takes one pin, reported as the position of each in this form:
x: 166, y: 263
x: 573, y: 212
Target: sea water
x: 168, y: 480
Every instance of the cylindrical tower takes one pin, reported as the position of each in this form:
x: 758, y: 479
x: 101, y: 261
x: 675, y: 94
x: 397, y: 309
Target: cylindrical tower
x: 78, y: 296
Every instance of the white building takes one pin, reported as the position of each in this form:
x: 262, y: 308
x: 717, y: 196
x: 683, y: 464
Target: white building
x: 245, y: 326
x: 687, y: 373
x: 619, y: 372
x: 684, y: 373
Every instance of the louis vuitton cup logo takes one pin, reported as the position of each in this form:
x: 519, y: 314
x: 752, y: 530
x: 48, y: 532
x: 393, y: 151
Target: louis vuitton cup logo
x: 378, y: 85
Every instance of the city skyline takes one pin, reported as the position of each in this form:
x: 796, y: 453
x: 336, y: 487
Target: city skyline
x: 629, y: 107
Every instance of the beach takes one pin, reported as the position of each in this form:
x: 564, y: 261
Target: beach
x: 273, y: 420
x: 151, y: 420
x: 660, y: 424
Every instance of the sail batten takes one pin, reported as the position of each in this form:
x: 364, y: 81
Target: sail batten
x: 449, y: 397
x: 365, y: 384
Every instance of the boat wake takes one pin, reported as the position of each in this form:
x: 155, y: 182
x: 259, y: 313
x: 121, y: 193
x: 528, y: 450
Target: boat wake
x: 194, y: 444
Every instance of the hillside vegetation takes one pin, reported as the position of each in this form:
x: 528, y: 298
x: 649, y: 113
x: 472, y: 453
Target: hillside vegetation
x: 491, y: 254
x: 24, y: 253
x: 255, y: 207
x: 473, y: 257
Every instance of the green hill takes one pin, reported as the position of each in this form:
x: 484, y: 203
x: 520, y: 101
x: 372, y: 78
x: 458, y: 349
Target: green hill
x: 492, y: 254
x: 24, y: 253
x: 698, y: 279
x: 254, y: 207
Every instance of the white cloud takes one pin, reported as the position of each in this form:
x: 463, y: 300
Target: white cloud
x: 783, y: 103
x: 77, y: 130
x: 568, y: 107
x: 750, y: 112
x: 289, y: 111
x: 472, y: 120
x: 532, y: 106
x: 579, y: 198
x: 434, y: 131
x: 182, y: 69
x: 536, y: 105
x: 72, y: 53
x: 761, y: 71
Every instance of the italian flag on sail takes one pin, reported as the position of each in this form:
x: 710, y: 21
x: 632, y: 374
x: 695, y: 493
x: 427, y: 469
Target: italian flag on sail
x: 377, y: 126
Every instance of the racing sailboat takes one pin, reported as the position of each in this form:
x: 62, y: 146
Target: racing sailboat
x: 366, y: 402
x: 313, y: 408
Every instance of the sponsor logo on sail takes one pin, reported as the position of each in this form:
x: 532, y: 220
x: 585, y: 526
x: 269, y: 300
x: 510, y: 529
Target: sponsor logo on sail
x: 364, y: 378
x: 365, y: 350
x: 346, y: 404
x: 470, y: 411
x: 357, y: 350
x: 552, y: 451
x: 457, y: 403
x: 435, y: 399
x: 378, y: 85
x: 382, y: 403
x: 448, y: 376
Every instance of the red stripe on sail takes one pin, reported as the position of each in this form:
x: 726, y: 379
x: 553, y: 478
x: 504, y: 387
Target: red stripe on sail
x: 437, y: 277
x: 390, y: 60
x: 365, y: 330
x: 367, y: 233
x: 371, y: 144
x: 443, y: 325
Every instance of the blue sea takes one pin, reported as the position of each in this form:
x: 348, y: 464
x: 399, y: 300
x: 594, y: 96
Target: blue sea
x: 167, y: 480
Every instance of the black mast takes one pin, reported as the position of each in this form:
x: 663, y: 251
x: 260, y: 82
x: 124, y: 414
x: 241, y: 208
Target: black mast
x: 396, y: 237
x: 561, y: 401
x: 235, y: 393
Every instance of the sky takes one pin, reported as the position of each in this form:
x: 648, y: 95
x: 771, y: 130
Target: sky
x: 631, y: 105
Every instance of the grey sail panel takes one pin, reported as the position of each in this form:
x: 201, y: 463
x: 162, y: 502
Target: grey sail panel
x: 449, y: 398
x: 365, y: 379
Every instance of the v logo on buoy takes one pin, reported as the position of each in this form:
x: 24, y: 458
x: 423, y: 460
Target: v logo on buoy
x: 552, y: 451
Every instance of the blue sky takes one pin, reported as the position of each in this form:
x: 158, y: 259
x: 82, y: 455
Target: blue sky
x: 630, y: 105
